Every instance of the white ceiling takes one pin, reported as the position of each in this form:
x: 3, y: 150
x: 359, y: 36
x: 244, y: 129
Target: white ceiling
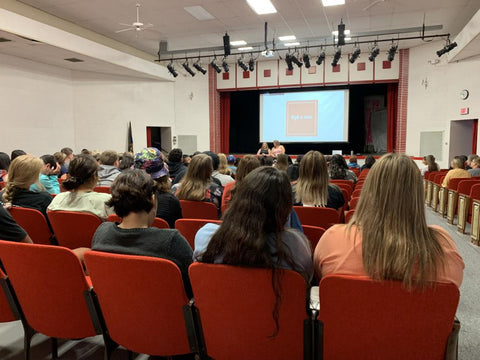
x: 307, y: 19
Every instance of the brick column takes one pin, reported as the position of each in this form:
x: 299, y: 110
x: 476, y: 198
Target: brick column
x: 401, y: 135
x: 214, y: 110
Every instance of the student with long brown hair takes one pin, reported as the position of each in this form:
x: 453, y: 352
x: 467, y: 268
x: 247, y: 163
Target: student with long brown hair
x: 245, y: 166
x: 313, y: 188
x: 388, y: 237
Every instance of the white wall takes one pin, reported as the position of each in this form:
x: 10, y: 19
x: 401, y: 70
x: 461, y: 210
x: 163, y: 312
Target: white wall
x: 433, y: 104
x: 36, y: 103
x: 45, y: 108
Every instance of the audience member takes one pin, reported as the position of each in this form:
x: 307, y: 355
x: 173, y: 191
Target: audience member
x: 4, y: 164
x: 127, y: 162
x: 246, y: 165
x: 197, y: 184
x: 313, y: 188
x: 352, y: 162
x: 60, y: 159
x: 458, y: 171
x: 168, y: 206
x: 293, y: 170
x: 277, y: 149
x: 133, y: 199
x: 223, y: 165
x: 464, y: 159
x: 48, y: 175
x: 382, y: 242
x: 80, y: 196
x: 266, y: 161
x: 222, y: 179
x: 369, y: 161
x: 17, y: 153
x: 24, y: 171
x: 282, y: 162
x: 475, y: 170
x: 264, y: 150
x: 10, y: 230
x: 338, y: 169
x: 176, y: 166
x: 108, y: 169
x: 430, y: 164
x: 231, y: 164
x: 470, y: 158
x: 68, y: 156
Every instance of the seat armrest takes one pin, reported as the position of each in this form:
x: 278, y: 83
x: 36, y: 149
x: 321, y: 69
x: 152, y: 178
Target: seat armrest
x: 451, y: 352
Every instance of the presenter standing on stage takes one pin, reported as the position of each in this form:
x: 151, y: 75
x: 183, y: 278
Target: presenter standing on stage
x: 264, y: 150
x: 277, y: 149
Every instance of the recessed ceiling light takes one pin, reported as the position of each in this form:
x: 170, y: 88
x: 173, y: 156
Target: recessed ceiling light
x: 245, y: 48
x: 262, y: 7
x: 238, y: 43
x: 333, y: 2
x: 287, y: 38
x: 292, y: 44
x: 199, y: 13
x: 348, y: 38
x: 335, y: 33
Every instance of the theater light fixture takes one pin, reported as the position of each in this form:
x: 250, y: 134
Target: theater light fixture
x: 337, y: 56
x: 355, y: 55
x: 251, y: 64
x: 288, y: 60
x: 296, y: 61
x: 215, y: 66
x: 374, y: 52
x: 199, y: 67
x: 306, y: 60
x: 447, y: 48
x: 188, y: 68
x: 225, y: 65
x: 242, y: 64
x: 171, y: 69
x: 341, y: 33
x: 321, y: 57
x: 392, y: 52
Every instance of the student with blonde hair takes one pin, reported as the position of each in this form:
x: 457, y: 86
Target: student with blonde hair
x: 312, y: 187
x: 24, y: 171
x: 197, y: 184
x: 223, y: 165
x: 388, y: 237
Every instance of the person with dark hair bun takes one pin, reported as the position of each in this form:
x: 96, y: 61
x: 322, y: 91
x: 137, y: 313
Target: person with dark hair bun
x: 133, y: 198
x: 4, y: 164
x: 81, y: 181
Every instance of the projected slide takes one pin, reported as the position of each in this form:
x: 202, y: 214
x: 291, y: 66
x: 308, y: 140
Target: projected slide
x: 311, y: 116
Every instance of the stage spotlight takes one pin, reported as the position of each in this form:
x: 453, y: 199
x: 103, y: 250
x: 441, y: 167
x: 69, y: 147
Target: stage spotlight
x: 171, y: 69
x: 187, y: 68
x: 296, y: 61
x: 288, y: 60
x: 251, y: 64
x: 374, y: 52
x: 199, y: 67
x: 321, y: 57
x: 215, y: 66
x: 355, y: 55
x: 336, y: 57
x: 392, y: 52
x: 341, y: 33
x: 306, y: 60
x: 242, y: 64
x: 448, y: 47
x: 225, y: 65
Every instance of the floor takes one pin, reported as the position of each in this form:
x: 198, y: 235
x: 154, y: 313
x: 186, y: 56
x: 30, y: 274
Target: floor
x: 11, y: 334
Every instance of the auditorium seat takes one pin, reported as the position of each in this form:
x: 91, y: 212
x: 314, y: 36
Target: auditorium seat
x: 34, y: 223
x: 189, y: 227
x: 198, y: 210
x: 317, y: 216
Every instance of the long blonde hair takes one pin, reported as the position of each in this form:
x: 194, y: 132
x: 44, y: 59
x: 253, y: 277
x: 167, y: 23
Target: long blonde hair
x: 223, y: 165
x: 397, y: 244
x: 24, y: 171
x: 196, y: 179
x: 312, y: 185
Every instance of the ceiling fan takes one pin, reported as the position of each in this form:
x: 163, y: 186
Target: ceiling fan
x: 137, y: 25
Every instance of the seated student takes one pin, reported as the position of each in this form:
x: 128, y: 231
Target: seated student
x: 430, y: 164
x: 313, y: 188
x: 16, y: 153
x: 382, y: 241
x: 223, y: 167
x: 231, y: 164
x: 10, y: 230
x: 176, y: 166
x: 197, y: 184
x: 338, y: 169
x: 80, y: 196
x: 108, y: 169
x: 458, y: 171
x: 352, y: 162
x: 475, y: 164
x: 60, y: 159
x: 369, y: 161
x: 68, y: 156
x: 24, y: 171
x: 253, y: 232
x: 48, y: 175
x: 245, y: 166
x: 216, y: 175
x: 133, y: 199
x: 282, y: 162
x: 4, y: 164
x: 127, y: 162
x: 168, y: 206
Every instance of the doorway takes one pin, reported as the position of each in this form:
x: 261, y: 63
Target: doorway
x: 463, y: 137
x: 160, y: 138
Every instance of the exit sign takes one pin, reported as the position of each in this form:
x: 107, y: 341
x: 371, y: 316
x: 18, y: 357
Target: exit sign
x: 464, y: 111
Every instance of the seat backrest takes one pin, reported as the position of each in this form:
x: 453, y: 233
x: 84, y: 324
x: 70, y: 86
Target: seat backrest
x: 357, y: 192
x: 34, y: 223
x: 317, y: 216
x: 365, y: 319
x: 49, y: 283
x: 354, y: 202
x: 6, y: 313
x: 313, y: 233
x: 475, y: 191
x: 236, y: 306
x: 453, y: 183
x: 73, y: 229
x: 345, y: 183
x: 102, y: 189
x: 142, y: 301
x: 438, y: 178
x: 348, y: 215
x: 189, y: 227
x: 157, y: 222
x: 363, y: 173
x: 465, y: 185
x: 198, y: 210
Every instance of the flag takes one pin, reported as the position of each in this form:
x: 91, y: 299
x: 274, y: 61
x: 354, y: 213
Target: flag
x: 130, y: 137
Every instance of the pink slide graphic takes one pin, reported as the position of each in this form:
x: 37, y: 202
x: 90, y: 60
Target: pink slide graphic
x: 302, y: 118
